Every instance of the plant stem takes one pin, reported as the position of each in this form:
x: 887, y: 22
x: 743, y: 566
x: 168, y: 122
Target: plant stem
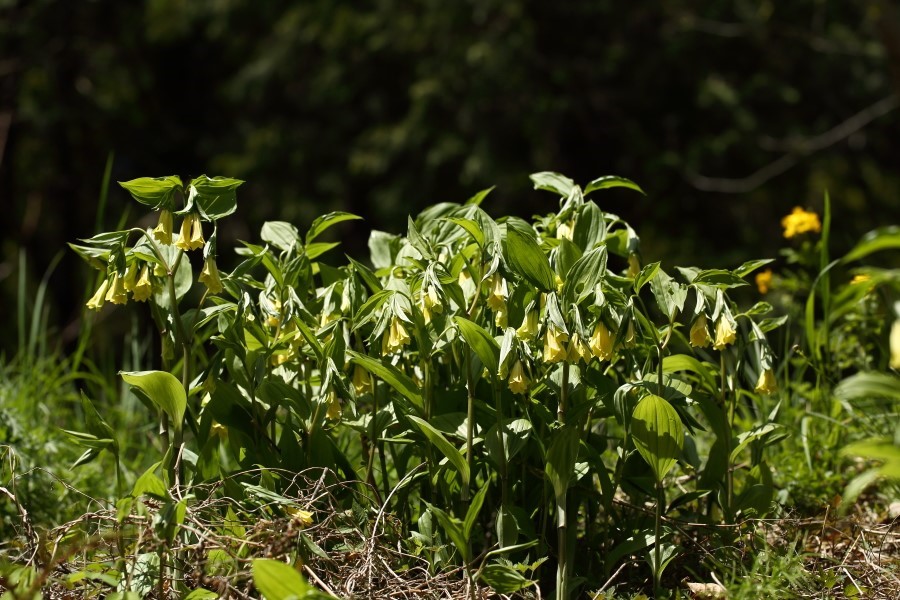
x: 470, y: 418
x: 657, y: 571
x: 562, y: 527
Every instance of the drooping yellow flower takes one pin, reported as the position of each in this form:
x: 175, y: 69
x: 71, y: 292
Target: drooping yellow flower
x: 529, y: 327
x: 700, y: 332
x: 334, y: 406
x: 143, y: 289
x: 117, y: 293
x: 766, y: 383
x: 518, y: 381
x: 159, y: 270
x: 862, y: 278
x: 634, y: 266
x: 764, y: 281
x: 163, y: 231
x: 554, y: 345
x: 430, y: 304
x: 601, y: 343
x: 566, y: 230
x: 394, y: 338
x: 279, y: 358
x: 501, y: 317
x: 800, y: 221
x: 99, y: 297
x: 578, y: 351
x: 895, y: 345
x: 210, y: 276
x: 499, y: 292
x: 191, y: 236
x: 725, y: 333
x: 362, y: 382
x: 300, y: 517
x: 130, y: 276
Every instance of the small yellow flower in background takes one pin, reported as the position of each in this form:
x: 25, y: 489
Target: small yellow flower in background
x: 857, y: 279
x: 629, y: 335
x: 764, y: 281
x: 117, y: 293
x: 634, y: 266
x: 191, y: 237
x: 800, y: 221
x: 601, y: 343
x: 279, y: 358
x: 334, y: 406
x: 362, y: 382
x: 766, y: 383
x: 559, y: 283
x: 395, y: 337
x: 554, y: 348
x: 163, y: 231
x: 301, y: 517
x: 99, y: 297
x: 143, y: 289
x: 518, y: 381
x: 210, y: 276
x: 130, y: 276
x: 895, y: 345
x: 578, y: 350
x: 501, y: 317
x: 565, y: 231
x: 499, y: 292
x: 529, y: 327
x: 159, y: 270
x: 700, y: 332
x: 725, y: 333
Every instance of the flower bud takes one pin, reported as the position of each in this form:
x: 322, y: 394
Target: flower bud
x: 163, y: 231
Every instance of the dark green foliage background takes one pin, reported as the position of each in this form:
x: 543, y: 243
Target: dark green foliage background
x: 384, y: 107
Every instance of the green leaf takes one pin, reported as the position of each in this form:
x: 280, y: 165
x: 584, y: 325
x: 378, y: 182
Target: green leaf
x: 611, y: 181
x: 445, y: 447
x: 526, y: 258
x: 480, y: 196
x: 646, y: 274
x: 280, y: 234
x: 278, y: 581
x: 216, y: 197
x: 394, y: 377
x: 561, y: 459
x: 720, y: 278
x: 553, y: 182
x: 658, y: 434
x: 481, y: 343
x: 504, y: 579
x: 370, y: 308
x: 365, y: 273
x: 471, y: 227
x: 584, y: 275
x: 454, y: 529
x: 567, y: 254
x: 472, y: 513
x: 590, y: 228
x: 149, y: 483
x: 201, y: 594
x: 867, y: 385
x: 670, y: 295
x: 156, y: 192
x: 751, y: 265
x: 884, y: 238
x: 325, y: 221
x: 163, y: 389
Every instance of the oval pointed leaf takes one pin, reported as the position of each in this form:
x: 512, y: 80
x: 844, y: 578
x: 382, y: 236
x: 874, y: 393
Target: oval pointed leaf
x: 155, y: 192
x: 611, y: 181
x: 162, y: 388
x: 215, y: 197
x: 278, y: 581
x: 325, y: 221
x: 658, y: 434
x: 526, y: 258
x: 445, y: 447
x: 393, y: 376
x: 481, y: 343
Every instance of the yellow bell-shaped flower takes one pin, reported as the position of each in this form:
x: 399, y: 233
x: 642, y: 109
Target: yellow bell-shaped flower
x: 362, y: 382
x: 894, y: 344
x: 565, y: 231
x: 725, y: 333
x: 163, y: 230
x: 191, y: 237
x: 578, y: 351
x: 430, y: 304
x: 143, y: 289
x: 395, y: 337
x: 529, y: 327
x: 700, y: 332
x: 117, y: 293
x: 99, y: 297
x: 601, y: 342
x: 518, y: 381
x: 499, y: 292
x: 501, y: 317
x: 210, y: 276
x: 554, y: 345
x: 334, y: 406
x: 130, y: 276
x: 766, y: 383
x: 634, y: 266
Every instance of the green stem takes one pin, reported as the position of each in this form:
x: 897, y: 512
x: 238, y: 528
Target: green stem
x: 562, y: 526
x: 657, y: 527
x: 470, y: 418
x: 729, y: 408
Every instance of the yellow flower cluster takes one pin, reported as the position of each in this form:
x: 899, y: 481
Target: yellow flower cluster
x: 115, y: 289
x: 191, y: 237
x: 395, y: 337
x: 800, y: 221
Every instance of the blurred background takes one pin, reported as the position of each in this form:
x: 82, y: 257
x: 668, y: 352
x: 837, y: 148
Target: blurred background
x: 727, y: 112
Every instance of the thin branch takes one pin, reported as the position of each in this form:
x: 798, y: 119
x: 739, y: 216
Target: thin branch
x: 799, y: 149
